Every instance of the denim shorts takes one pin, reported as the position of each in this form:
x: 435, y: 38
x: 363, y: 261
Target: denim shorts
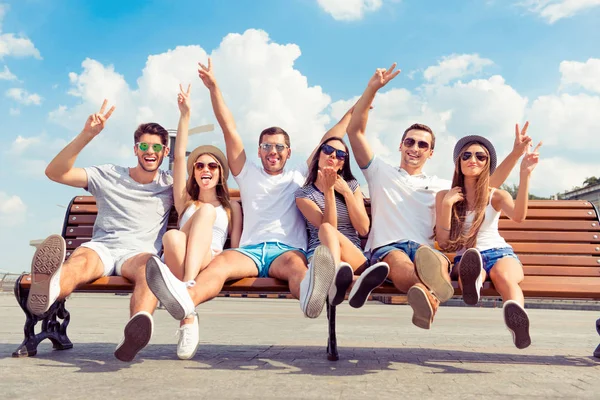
x: 263, y: 254
x: 407, y: 246
x: 490, y: 257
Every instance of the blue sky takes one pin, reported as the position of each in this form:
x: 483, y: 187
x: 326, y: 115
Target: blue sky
x: 471, y: 66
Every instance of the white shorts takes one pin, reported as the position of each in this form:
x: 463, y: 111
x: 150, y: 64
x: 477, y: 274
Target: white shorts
x: 113, y: 260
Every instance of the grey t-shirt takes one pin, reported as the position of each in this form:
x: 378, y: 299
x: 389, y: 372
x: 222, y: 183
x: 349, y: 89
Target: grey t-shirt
x: 131, y: 216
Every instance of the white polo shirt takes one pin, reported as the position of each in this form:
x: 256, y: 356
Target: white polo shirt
x: 402, y: 205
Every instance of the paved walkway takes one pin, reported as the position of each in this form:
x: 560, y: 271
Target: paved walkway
x: 262, y: 348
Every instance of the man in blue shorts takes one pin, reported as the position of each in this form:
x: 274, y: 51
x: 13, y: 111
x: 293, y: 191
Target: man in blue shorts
x: 274, y: 238
x: 403, y: 206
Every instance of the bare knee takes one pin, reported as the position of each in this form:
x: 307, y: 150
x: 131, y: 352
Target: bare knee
x: 174, y: 238
x: 327, y: 229
x: 207, y: 211
x: 506, y: 277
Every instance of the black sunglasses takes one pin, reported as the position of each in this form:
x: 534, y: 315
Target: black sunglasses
x: 481, y: 156
x: 199, y: 165
x: 410, y: 142
x: 328, y: 150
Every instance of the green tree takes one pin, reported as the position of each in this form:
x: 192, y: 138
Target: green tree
x: 592, y: 180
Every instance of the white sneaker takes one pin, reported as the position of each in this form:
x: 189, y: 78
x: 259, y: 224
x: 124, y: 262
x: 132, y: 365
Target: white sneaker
x: 170, y: 291
x: 189, y: 339
x: 341, y: 283
x: 45, y: 274
x: 517, y: 322
x: 469, y: 271
x: 315, y: 285
x: 137, y: 334
x: 369, y: 280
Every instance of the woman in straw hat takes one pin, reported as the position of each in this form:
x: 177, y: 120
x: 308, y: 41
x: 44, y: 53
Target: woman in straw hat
x: 206, y: 216
x: 467, y: 222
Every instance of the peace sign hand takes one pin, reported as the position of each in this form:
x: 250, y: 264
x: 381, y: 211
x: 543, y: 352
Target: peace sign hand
x: 183, y: 100
x: 530, y: 160
x: 206, y: 74
x: 95, y: 122
x: 382, y: 76
x: 522, y: 141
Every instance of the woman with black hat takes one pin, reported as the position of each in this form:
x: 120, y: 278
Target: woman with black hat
x: 467, y: 222
x: 206, y: 216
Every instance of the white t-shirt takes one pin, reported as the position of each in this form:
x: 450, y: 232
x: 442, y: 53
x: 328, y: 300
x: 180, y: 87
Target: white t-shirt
x: 269, y: 203
x: 402, y: 205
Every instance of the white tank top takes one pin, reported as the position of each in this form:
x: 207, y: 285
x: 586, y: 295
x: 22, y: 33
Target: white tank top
x: 219, y: 231
x: 488, y: 236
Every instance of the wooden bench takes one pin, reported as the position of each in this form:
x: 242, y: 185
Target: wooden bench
x: 558, y: 244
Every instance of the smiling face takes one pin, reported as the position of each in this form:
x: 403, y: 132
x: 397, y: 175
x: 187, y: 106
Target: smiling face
x: 207, y: 172
x: 415, y: 150
x: 273, y: 160
x: 473, y: 160
x: 332, y: 160
x: 150, y: 160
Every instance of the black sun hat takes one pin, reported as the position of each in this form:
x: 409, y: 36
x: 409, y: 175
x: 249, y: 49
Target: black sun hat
x: 480, y: 140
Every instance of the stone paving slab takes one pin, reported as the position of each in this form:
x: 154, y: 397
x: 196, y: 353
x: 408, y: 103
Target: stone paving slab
x: 263, y: 348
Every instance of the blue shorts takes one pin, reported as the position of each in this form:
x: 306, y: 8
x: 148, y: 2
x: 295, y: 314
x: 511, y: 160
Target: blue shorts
x: 407, y: 246
x: 490, y: 257
x: 263, y: 254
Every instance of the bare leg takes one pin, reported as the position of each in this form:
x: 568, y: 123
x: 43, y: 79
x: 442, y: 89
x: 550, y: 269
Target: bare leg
x: 142, y: 298
x: 328, y: 236
x: 341, y: 248
x: 402, y: 271
x: 175, y: 246
x: 83, y: 266
x: 506, y: 276
x: 291, y: 267
x: 199, y: 234
x: 226, y: 266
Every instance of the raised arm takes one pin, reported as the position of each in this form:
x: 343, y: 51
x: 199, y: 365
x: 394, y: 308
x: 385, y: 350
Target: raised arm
x: 444, y: 201
x: 360, y: 115
x: 517, y: 210
x: 338, y: 130
x: 520, y: 146
x: 61, y: 169
x: 236, y: 155
x: 180, y: 195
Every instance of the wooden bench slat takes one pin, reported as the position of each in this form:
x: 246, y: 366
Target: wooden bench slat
x: 548, y: 225
x: 560, y: 204
x: 554, y: 270
x: 551, y: 213
x: 549, y: 236
x: 556, y: 248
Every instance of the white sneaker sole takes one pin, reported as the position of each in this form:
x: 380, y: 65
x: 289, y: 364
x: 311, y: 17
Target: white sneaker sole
x: 341, y: 283
x: 320, y: 280
x: 371, y: 279
x: 46, y: 264
x: 517, y: 322
x: 430, y: 271
x: 469, y: 271
x: 138, y: 332
x: 163, y: 290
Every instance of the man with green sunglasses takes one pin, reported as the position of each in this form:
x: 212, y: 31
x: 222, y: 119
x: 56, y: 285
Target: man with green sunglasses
x: 133, y: 210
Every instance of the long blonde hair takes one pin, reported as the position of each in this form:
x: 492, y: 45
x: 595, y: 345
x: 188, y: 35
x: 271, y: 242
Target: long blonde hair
x: 458, y: 238
x: 193, y: 190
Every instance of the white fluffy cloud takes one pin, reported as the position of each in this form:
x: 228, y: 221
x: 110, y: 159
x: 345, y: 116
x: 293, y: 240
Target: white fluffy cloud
x: 585, y: 75
x: 349, y: 10
x: 455, y: 66
x: 22, y: 96
x: 6, y: 75
x: 15, y: 45
x: 554, y: 10
x: 257, y: 77
x: 12, y: 210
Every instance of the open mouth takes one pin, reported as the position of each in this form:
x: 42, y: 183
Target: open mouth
x: 272, y: 160
x: 205, y: 178
x: 150, y: 159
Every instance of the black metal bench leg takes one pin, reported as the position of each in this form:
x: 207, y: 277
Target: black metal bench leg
x: 332, y: 352
x: 51, y: 328
x: 597, y: 351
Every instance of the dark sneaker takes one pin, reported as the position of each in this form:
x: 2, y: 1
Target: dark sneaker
x: 341, y: 282
x: 371, y: 279
x: 469, y: 271
x: 517, y: 322
x: 138, y: 332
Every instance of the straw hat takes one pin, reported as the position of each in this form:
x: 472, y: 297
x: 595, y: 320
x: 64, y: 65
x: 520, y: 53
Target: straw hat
x: 213, y: 151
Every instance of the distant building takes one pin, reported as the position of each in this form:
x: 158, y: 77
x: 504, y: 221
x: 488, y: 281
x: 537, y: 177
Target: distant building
x: 590, y: 193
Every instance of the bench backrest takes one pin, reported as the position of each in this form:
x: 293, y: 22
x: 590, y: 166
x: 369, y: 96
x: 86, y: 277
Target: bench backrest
x: 558, y: 238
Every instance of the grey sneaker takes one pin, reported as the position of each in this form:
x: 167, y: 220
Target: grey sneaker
x: 517, y: 322
x: 315, y: 285
x: 469, y: 271
x: 45, y: 274
x: 137, y: 334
